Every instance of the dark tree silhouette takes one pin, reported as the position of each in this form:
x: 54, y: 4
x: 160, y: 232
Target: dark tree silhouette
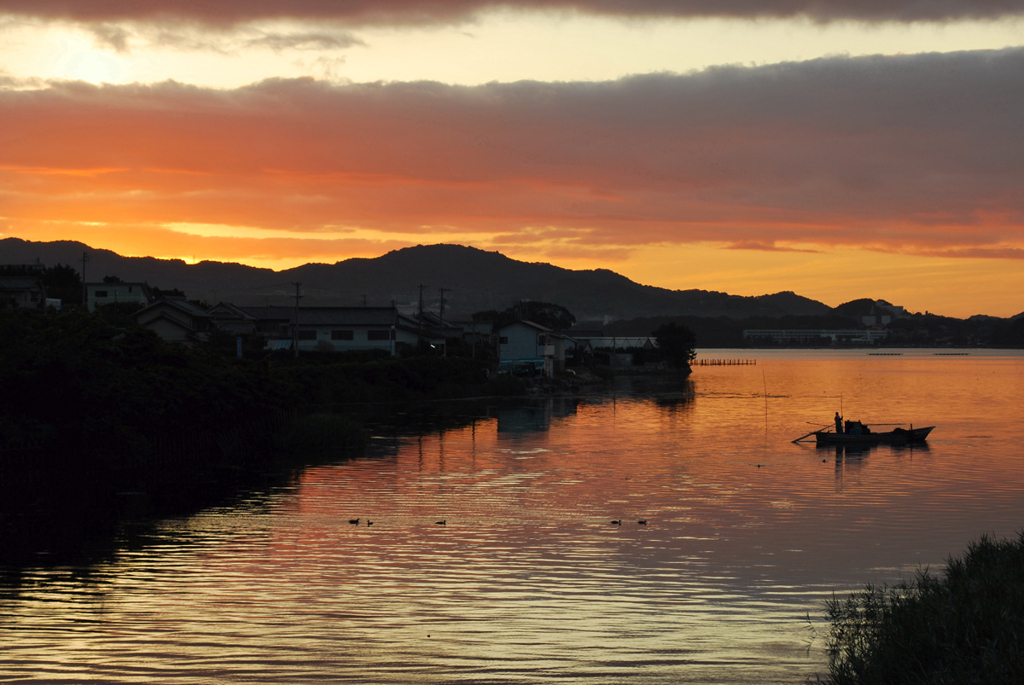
x: 553, y: 316
x: 62, y: 282
x: 677, y: 344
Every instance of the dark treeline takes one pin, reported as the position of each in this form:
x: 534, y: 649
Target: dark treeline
x: 916, y: 330
x: 553, y: 316
x: 96, y: 410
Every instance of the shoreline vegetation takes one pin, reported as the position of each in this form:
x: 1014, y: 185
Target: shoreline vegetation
x: 100, y: 418
x: 965, y: 626
x: 97, y: 418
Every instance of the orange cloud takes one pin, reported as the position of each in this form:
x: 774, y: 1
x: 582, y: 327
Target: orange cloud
x: 44, y: 171
x: 900, y: 154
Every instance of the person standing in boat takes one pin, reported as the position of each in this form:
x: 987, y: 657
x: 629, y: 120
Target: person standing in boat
x: 839, y: 424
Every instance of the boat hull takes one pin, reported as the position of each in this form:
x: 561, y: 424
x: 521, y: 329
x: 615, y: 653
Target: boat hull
x: 896, y: 437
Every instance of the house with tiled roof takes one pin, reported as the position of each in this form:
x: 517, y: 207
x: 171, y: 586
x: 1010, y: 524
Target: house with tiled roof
x: 177, y: 320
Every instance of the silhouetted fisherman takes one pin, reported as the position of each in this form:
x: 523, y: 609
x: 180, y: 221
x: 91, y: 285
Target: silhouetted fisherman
x: 839, y: 424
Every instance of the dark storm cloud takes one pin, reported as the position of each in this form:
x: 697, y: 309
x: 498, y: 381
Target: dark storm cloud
x: 225, y: 12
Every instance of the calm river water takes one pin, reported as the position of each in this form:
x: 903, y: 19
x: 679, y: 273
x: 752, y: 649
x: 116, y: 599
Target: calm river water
x: 528, y: 581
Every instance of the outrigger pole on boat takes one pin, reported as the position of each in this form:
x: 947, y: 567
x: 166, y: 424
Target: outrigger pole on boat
x: 826, y: 425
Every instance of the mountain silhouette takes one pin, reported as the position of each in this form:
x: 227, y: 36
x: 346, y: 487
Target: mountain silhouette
x: 473, y: 279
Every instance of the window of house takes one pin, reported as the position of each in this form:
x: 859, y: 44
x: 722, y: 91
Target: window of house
x: 129, y: 288
x: 101, y: 293
x: 307, y: 335
x: 503, y: 340
x: 341, y: 335
x: 378, y: 335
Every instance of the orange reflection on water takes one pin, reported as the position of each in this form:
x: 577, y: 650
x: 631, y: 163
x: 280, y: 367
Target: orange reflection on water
x: 528, y: 579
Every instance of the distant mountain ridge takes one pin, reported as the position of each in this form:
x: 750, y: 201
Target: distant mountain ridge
x: 473, y: 279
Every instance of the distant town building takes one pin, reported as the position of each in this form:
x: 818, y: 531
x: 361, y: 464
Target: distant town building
x: 878, y: 316
x: 99, y: 294
x: 815, y: 337
x: 600, y: 341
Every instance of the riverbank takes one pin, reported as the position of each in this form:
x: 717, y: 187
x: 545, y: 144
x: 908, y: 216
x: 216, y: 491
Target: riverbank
x: 96, y: 418
x: 966, y: 626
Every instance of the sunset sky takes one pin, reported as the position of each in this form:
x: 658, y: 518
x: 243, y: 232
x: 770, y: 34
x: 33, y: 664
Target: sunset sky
x: 838, y: 148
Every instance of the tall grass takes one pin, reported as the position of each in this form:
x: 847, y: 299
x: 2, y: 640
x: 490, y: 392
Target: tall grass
x: 966, y: 626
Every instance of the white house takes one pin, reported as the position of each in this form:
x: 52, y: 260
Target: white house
x: 337, y: 329
x: 525, y: 344
x: 98, y: 294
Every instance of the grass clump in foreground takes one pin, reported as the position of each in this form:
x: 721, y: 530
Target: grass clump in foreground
x: 964, y: 627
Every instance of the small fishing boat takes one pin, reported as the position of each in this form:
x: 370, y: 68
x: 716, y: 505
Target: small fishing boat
x: 865, y: 436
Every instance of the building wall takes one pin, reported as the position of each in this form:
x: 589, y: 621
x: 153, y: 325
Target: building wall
x: 160, y: 311
x: 173, y: 324
x: 324, y: 338
x: 20, y: 292
x: 21, y: 298
x: 169, y: 330
x: 99, y: 294
x: 559, y: 358
x: 519, y: 341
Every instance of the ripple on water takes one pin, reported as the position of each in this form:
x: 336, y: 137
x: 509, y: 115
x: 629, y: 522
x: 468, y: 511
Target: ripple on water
x: 528, y: 581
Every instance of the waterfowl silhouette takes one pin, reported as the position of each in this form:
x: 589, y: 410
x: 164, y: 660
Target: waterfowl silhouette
x: 642, y: 522
x: 442, y: 523
x: 617, y: 522
x: 354, y: 521
x: 369, y: 522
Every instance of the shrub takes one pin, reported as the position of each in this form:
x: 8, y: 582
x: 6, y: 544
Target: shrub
x: 965, y: 627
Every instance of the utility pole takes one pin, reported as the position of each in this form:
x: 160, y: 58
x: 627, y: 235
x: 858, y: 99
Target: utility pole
x: 419, y: 318
x: 85, y: 290
x: 422, y: 287
x: 443, y: 291
x: 295, y: 326
x: 444, y: 352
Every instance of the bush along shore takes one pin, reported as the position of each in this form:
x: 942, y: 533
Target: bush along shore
x: 966, y: 626
x: 95, y: 414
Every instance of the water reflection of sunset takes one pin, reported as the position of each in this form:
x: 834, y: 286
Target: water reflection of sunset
x: 697, y: 468
x: 747, y: 533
